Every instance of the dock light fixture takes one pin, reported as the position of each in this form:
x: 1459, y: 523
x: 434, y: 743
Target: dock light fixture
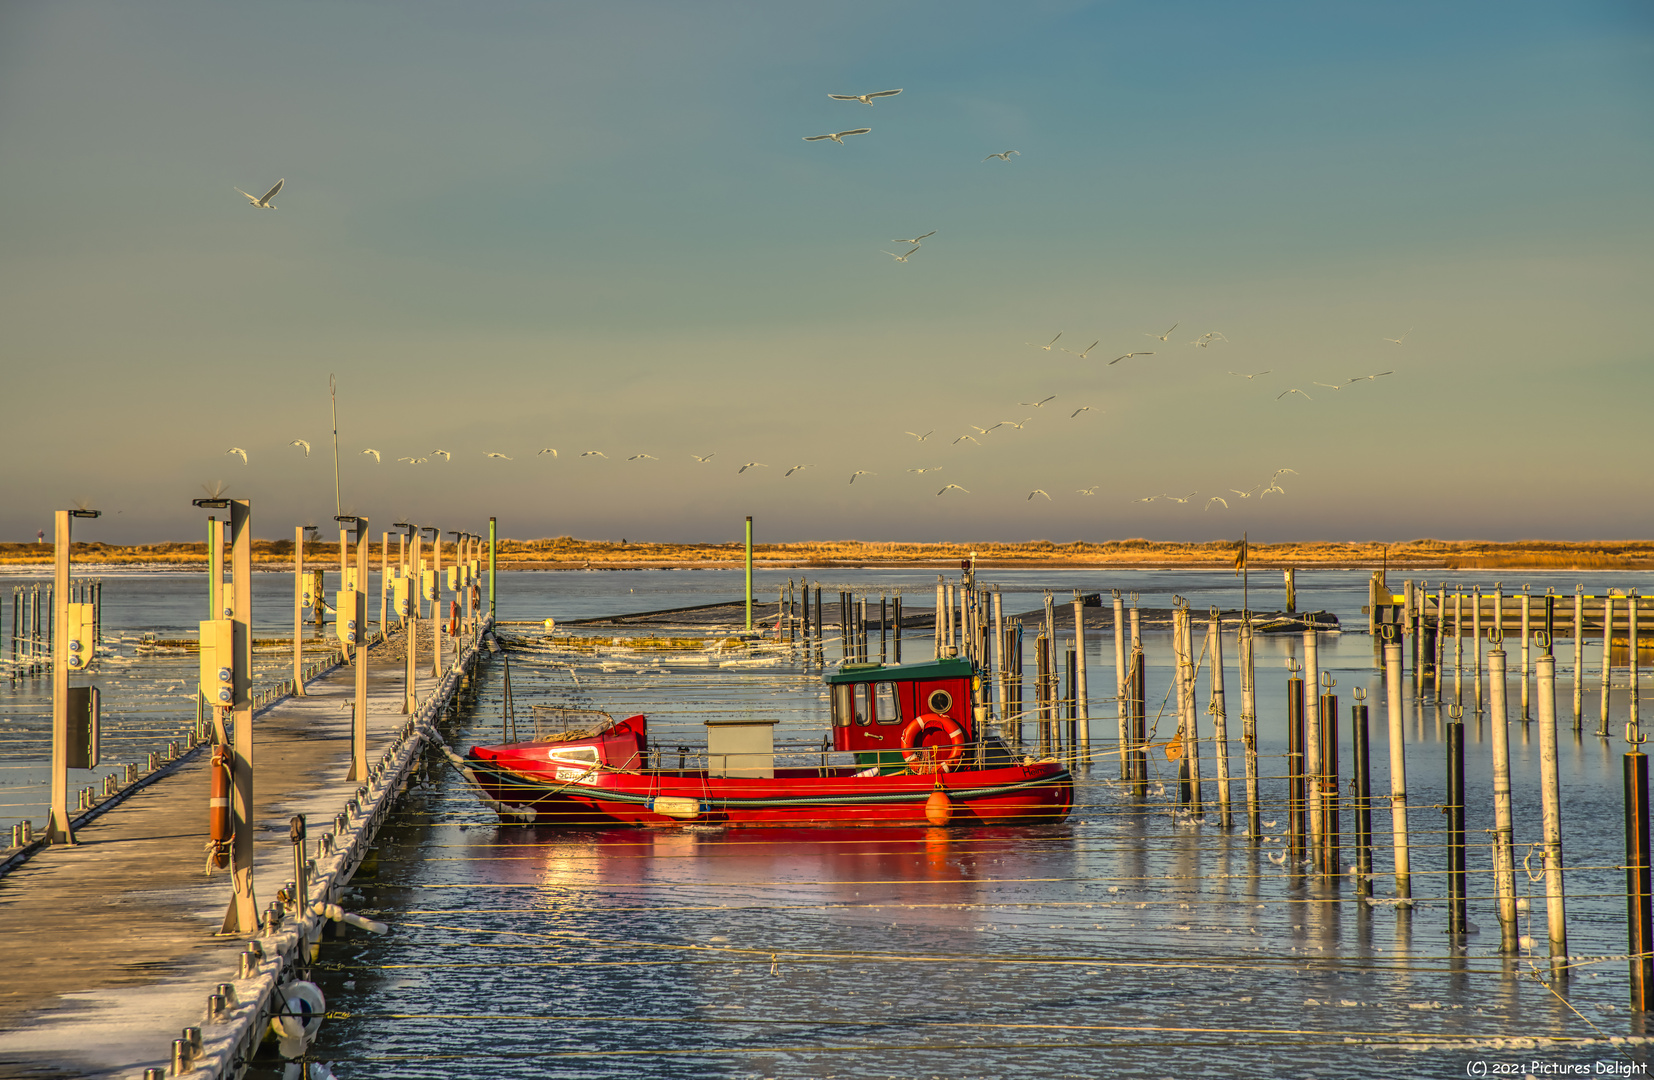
x: 212, y: 504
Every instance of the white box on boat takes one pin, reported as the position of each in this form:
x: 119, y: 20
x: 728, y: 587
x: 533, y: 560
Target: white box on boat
x: 741, y: 748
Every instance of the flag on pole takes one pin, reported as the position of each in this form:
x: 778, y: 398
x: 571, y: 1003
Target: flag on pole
x: 1240, y: 558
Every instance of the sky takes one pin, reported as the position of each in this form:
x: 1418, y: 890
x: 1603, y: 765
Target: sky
x: 508, y: 228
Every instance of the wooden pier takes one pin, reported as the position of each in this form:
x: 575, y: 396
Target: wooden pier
x: 111, y: 946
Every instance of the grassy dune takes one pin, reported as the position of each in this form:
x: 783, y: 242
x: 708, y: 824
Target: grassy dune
x: 564, y: 552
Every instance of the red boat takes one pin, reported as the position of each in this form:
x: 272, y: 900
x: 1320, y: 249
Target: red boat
x: 911, y: 728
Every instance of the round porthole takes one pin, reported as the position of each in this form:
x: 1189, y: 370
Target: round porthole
x: 940, y: 702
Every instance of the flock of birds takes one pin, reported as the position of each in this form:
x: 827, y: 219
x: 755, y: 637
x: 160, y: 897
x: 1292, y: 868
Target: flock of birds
x: 976, y: 433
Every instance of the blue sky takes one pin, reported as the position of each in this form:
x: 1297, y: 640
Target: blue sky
x: 597, y: 227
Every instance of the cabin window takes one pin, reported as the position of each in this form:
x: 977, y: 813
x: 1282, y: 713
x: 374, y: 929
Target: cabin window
x: 940, y: 702
x: 844, y: 705
x: 884, y: 703
x: 585, y: 755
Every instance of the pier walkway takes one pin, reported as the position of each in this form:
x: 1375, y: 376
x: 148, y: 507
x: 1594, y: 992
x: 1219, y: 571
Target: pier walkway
x: 109, y: 948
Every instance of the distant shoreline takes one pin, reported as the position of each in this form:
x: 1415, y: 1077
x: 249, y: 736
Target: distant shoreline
x: 566, y: 553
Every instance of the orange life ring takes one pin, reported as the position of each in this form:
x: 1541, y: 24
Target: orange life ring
x: 933, y: 758
x: 453, y: 618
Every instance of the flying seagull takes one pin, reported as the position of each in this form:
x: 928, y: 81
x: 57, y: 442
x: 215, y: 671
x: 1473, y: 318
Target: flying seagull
x: 1151, y: 498
x: 920, y: 437
x: 1078, y: 411
x: 861, y: 472
x: 643, y: 457
x: 1005, y: 157
x: 704, y: 460
x: 1167, y: 334
x: 301, y: 442
x: 1128, y: 356
x: 865, y: 99
x: 594, y: 453
x: 750, y: 465
x: 1092, y: 490
x: 951, y: 487
x: 446, y: 456
x: 1331, y: 386
x: 901, y: 258
x: 837, y: 136
x: 1016, y: 425
x: 1254, y: 375
x: 1040, y: 404
x: 1294, y: 390
x: 1184, y: 499
x: 548, y: 450
x: 1047, y: 346
x: 915, y: 240
x: 1391, y: 340
x: 1379, y: 375
x: 1037, y: 491
x: 492, y: 454
x: 794, y: 469
x: 238, y: 450
x: 930, y: 468
x: 962, y: 438
x: 1217, y: 499
x: 264, y: 203
x: 375, y: 453
x: 1088, y: 348
x: 1282, y: 472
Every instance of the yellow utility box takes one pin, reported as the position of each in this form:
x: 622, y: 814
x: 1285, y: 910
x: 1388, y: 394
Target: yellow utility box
x: 218, y: 662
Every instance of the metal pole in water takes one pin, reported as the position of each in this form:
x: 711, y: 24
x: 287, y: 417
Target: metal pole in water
x: 1455, y: 823
x: 1633, y: 602
x: 1607, y: 658
x: 1295, y: 766
x: 1440, y: 655
x: 1328, y: 715
x: 298, y: 611
x: 883, y: 623
x: 896, y: 630
x: 1458, y: 645
x: 1361, y: 764
x: 493, y: 564
x: 1120, y: 678
x: 1080, y: 691
x: 1579, y: 656
x: 1398, y: 770
x: 1527, y: 634
x: 1220, y: 719
x: 749, y: 570
x: 1550, y: 787
x: 1639, y: 897
x: 1249, y: 729
x: 1504, y: 853
x: 1180, y: 669
x: 941, y: 614
x: 1476, y: 634
x: 1312, y: 737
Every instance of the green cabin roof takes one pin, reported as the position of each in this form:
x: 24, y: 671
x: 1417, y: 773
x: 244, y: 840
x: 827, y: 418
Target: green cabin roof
x: 944, y: 668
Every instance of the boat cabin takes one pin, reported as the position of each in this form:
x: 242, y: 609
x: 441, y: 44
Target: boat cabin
x: 874, y: 703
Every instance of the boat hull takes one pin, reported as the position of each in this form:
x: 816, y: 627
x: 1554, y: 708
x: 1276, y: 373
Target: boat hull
x: 1034, y: 793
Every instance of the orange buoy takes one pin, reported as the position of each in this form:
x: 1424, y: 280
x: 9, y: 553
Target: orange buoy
x: 939, y: 808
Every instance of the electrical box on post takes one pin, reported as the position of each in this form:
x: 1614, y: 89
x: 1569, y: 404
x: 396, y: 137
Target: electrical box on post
x: 427, y: 582
x: 347, y: 618
x: 350, y: 580
x: 399, y: 597
x: 453, y: 579
x: 80, y: 625
x: 84, y: 728
x: 307, y: 591
x: 218, y: 662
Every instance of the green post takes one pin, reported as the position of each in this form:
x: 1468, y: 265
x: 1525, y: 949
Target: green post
x: 491, y: 546
x: 749, y: 571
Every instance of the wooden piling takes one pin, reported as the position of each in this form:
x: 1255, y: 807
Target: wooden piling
x: 1081, y: 692
x: 1455, y: 824
x: 1120, y: 679
x: 1312, y: 736
x: 1328, y: 720
x: 1220, y: 720
x: 1527, y: 635
x: 1504, y: 880
x: 1249, y: 729
x: 1550, y: 790
x: 1607, y: 660
x: 1579, y: 656
x: 1632, y: 603
x: 896, y: 631
x: 1476, y: 635
x: 1398, y: 771
x: 298, y: 611
x: 883, y: 622
x: 1458, y: 645
x: 1639, y: 897
x: 1361, y: 765
x: 1296, y: 827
